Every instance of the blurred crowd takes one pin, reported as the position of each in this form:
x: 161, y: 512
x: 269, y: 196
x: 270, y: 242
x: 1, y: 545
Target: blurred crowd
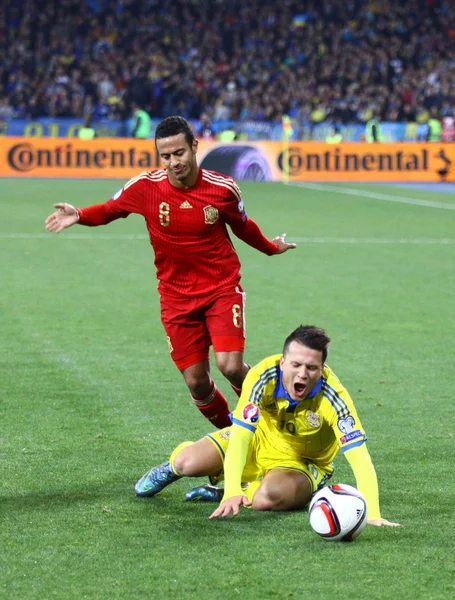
x: 315, y: 60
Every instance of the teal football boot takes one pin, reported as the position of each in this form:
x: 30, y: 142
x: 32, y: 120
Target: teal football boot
x: 204, y: 493
x: 155, y: 480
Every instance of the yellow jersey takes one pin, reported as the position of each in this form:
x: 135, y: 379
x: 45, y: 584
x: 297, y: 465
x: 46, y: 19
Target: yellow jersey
x: 312, y: 429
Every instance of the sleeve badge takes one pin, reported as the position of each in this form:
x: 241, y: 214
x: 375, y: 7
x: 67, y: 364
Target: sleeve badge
x: 346, y: 425
x: 250, y: 413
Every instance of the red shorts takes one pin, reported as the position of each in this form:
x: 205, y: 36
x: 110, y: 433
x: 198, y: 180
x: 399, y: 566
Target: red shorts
x: 193, y: 325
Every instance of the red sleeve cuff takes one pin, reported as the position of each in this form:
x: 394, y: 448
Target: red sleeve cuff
x: 92, y: 215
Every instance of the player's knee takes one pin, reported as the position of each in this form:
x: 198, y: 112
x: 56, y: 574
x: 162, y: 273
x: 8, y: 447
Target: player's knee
x: 268, y: 497
x: 232, y: 370
x: 199, y: 387
x: 197, y: 379
x: 185, y: 463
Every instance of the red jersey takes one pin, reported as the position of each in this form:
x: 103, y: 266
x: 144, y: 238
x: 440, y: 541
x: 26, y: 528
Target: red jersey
x: 194, y: 255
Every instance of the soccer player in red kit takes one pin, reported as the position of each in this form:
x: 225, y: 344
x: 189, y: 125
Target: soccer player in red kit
x: 186, y: 210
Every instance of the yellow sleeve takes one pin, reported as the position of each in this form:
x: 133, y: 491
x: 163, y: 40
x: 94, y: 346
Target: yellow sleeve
x: 259, y: 384
x: 235, y: 459
x: 365, y: 476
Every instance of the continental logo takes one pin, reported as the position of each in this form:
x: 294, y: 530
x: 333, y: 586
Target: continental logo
x: 305, y: 161
x: 336, y: 159
x: 27, y: 156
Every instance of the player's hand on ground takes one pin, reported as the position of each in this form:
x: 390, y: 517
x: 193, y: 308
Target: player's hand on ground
x: 230, y: 505
x: 283, y: 246
x: 380, y: 522
x: 65, y: 216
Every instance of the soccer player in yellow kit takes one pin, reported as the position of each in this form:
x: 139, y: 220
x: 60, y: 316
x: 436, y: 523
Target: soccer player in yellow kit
x: 291, y: 419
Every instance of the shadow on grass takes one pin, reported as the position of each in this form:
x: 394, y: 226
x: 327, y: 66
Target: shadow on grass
x: 169, y: 504
x: 52, y: 499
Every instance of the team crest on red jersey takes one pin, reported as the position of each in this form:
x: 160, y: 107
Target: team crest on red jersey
x: 210, y: 214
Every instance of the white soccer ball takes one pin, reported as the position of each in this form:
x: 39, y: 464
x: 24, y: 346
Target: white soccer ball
x: 338, y: 512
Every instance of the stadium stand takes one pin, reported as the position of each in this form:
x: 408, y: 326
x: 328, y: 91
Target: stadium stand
x: 336, y: 61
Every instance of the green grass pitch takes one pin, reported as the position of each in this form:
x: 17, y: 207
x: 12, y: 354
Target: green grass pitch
x: 89, y: 399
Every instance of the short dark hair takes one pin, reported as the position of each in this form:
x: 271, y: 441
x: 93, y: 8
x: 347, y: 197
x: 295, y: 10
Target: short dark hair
x: 311, y: 336
x: 173, y: 126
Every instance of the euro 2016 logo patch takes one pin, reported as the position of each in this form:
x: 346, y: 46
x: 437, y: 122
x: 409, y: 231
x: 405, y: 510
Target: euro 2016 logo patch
x: 251, y: 413
x: 210, y: 214
x: 346, y: 425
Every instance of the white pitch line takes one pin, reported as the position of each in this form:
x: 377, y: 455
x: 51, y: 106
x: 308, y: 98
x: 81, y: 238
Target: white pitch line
x: 75, y: 236
x: 417, y: 241
x: 305, y: 240
x: 375, y: 195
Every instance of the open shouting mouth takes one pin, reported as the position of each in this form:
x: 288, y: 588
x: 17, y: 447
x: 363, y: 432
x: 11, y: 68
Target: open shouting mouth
x: 299, y: 389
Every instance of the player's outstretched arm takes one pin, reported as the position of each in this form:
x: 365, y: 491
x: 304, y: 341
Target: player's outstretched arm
x: 380, y: 522
x: 65, y: 216
x: 283, y: 246
x: 229, y: 505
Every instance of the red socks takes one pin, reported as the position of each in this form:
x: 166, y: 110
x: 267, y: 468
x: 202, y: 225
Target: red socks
x: 237, y: 390
x: 215, y: 408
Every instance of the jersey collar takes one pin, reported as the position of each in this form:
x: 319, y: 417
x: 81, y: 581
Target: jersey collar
x: 280, y: 392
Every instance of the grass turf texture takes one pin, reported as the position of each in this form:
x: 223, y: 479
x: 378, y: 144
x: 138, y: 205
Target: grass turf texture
x: 90, y: 400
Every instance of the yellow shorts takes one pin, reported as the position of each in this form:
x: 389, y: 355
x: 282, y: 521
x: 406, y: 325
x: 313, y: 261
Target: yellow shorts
x: 262, y: 458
